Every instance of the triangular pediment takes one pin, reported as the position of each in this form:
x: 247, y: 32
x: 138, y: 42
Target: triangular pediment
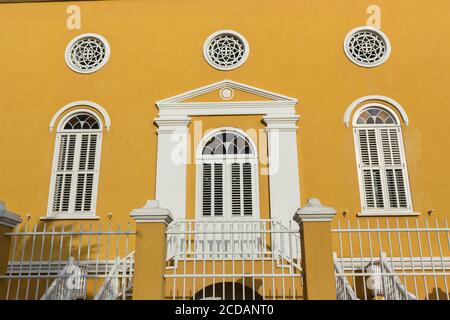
x: 226, y: 92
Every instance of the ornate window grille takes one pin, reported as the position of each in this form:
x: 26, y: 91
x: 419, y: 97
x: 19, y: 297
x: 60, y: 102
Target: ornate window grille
x: 367, y: 47
x: 87, y: 53
x: 226, y: 50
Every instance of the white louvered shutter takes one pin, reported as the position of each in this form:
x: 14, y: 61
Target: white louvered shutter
x: 212, y: 189
x: 370, y: 168
x: 394, y: 165
x: 382, y: 169
x: 76, y: 173
x: 242, y: 189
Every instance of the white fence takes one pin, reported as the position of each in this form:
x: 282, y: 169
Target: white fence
x: 70, y: 262
x: 392, y: 259
x: 233, y: 259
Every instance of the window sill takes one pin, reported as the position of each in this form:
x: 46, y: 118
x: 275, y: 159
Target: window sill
x: 70, y: 217
x: 388, y: 214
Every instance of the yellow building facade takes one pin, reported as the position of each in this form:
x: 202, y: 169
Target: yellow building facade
x: 230, y: 111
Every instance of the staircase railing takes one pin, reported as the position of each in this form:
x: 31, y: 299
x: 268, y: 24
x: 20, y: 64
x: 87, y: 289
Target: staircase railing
x: 393, y: 288
x: 344, y: 290
x: 118, y: 282
x: 70, y: 284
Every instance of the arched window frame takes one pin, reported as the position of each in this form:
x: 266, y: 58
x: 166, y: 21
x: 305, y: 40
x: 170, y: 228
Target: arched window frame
x: 383, y: 166
x: 73, y: 210
x: 227, y: 161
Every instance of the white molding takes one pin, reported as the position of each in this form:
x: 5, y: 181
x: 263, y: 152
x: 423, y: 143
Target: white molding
x: 211, y: 133
x: 7, y: 218
x: 314, y: 211
x: 225, y: 84
x: 168, y: 125
x: 392, y: 102
x: 378, y: 105
x: 388, y: 213
x: 152, y: 213
x: 374, y: 30
x: 86, y: 35
x: 217, y: 33
x: 70, y: 217
x: 81, y: 103
x: 280, y: 114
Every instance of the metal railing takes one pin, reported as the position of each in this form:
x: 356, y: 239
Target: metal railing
x: 42, y: 256
x: 117, y: 285
x: 69, y: 285
x: 233, y: 259
x: 344, y: 290
x: 394, y: 258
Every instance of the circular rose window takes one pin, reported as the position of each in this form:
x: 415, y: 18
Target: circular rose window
x: 87, y: 53
x: 226, y: 50
x: 367, y: 47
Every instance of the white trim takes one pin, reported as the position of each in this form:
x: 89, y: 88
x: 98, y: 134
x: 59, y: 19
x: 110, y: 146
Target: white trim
x: 217, y: 33
x: 7, y: 218
x: 382, y: 168
x: 378, y: 105
x: 81, y: 103
x: 210, y: 133
x: 225, y: 84
x: 226, y: 161
x: 392, y: 102
x: 387, y: 213
x: 281, y: 115
x: 70, y: 217
x: 374, y: 30
x: 86, y: 35
x: 96, y: 171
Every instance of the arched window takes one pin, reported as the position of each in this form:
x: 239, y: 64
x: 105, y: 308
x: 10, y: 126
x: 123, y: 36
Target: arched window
x: 74, y: 182
x: 227, y: 175
x: 383, y: 175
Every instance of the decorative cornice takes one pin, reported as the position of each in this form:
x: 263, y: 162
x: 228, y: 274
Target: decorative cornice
x: 152, y: 213
x: 281, y: 122
x: 7, y: 218
x: 314, y: 211
x: 169, y: 125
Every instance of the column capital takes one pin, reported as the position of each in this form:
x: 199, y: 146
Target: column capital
x: 152, y: 213
x: 281, y: 122
x: 7, y: 218
x: 314, y: 211
x: 170, y: 124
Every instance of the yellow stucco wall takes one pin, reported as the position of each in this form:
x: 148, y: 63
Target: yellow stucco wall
x: 296, y: 50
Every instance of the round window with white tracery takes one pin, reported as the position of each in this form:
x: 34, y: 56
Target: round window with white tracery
x: 226, y: 50
x: 87, y: 53
x: 367, y: 47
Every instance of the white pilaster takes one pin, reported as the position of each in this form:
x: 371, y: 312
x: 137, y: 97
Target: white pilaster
x: 283, y: 166
x: 171, y: 164
x: 7, y: 218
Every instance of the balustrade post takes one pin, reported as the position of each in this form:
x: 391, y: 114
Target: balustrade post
x: 317, y: 254
x: 8, y: 221
x: 151, y: 243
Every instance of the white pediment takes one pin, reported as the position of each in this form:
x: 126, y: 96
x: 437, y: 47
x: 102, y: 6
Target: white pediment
x: 209, y: 100
x: 258, y: 94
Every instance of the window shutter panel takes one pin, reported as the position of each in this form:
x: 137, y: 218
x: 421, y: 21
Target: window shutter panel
x: 247, y: 176
x: 218, y: 189
x: 207, y: 189
x: 63, y: 179
x: 85, y: 177
x: 369, y: 164
x: 236, y: 189
x: 395, y: 175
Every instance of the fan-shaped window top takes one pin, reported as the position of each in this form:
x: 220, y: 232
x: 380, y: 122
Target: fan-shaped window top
x: 376, y: 116
x: 227, y: 143
x: 82, y: 121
